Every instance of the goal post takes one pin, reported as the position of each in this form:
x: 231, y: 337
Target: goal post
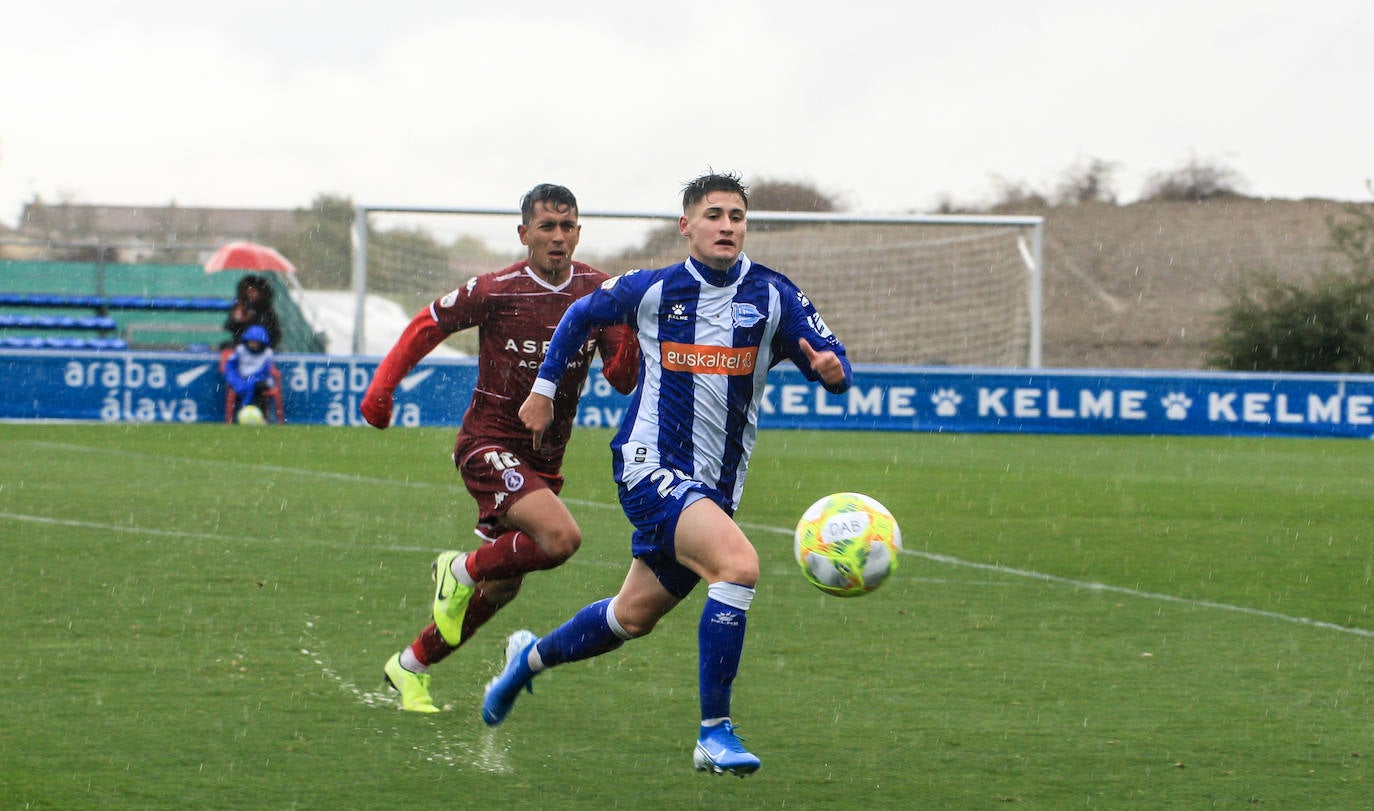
x: 939, y: 289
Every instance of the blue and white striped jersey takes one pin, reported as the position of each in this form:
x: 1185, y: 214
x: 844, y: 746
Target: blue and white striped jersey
x: 707, y: 339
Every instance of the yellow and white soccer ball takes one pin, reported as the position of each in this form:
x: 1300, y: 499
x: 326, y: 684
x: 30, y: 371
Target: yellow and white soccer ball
x: 847, y: 544
x: 251, y: 415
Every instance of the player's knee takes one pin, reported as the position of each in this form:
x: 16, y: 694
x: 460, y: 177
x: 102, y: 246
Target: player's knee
x: 561, y: 543
x: 637, y: 626
x: 742, y: 568
x: 630, y: 618
x: 745, y: 576
x: 636, y: 630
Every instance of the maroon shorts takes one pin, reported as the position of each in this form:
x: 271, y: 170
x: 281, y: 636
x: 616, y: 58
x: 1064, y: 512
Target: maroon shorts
x: 497, y: 477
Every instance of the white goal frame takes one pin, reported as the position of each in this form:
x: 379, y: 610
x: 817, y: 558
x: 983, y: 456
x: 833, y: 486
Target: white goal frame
x: 1032, y: 254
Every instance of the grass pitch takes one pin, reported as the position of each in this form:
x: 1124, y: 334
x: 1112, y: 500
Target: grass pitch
x: 197, y: 616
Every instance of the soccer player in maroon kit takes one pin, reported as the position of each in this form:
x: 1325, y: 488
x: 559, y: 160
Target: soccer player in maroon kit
x: 524, y: 525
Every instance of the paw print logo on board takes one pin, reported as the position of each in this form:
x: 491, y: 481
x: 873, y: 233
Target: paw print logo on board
x: 1176, y: 405
x: 946, y: 402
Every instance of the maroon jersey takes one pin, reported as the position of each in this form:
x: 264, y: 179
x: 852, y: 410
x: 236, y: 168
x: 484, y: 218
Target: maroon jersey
x: 515, y: 313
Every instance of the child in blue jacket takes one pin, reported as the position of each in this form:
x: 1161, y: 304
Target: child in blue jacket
x: 249, y: 370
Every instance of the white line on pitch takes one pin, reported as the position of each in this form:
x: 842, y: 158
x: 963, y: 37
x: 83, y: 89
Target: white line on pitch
x: 1089, y: 585
x: 1086, y: 585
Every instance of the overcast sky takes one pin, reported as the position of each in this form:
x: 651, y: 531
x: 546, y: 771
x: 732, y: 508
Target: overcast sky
x: 887, y: 106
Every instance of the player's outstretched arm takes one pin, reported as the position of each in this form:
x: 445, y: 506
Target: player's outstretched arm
x: 418, y: 339
x: 573, y: 328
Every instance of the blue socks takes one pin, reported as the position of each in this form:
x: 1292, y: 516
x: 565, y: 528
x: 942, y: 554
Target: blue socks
x: 591, y: 632
x: 720, y: 642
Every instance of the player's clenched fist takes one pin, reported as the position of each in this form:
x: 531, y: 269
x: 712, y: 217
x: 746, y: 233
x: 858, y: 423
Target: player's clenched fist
x: 537, y: 414
x: 376, y: 408
x: 824, y: 363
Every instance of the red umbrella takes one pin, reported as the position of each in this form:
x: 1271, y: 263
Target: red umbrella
x: 248, y: 256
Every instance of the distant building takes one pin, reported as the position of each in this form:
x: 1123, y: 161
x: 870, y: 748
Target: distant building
x: 137, y: 232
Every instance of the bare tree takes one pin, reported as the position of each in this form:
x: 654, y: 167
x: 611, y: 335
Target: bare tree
x: 1013, y: 195
x: 1089, y: 181
x: 1195, y: 180
x: 788, y: 195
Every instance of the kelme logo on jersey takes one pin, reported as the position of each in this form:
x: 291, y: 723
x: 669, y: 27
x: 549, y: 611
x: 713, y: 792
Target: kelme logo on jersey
x: 745, y: 314
x: 709, y: 360
x: 451, y: 297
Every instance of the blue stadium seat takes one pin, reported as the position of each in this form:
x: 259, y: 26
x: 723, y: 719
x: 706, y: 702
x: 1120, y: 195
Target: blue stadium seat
x: 49, y: 300
x: 164, y: 303
x: 114, y: 302
x: 56, y: 322
x: 63, y: 343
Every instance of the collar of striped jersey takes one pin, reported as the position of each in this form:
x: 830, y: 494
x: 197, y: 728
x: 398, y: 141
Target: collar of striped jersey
x: 720, y: 278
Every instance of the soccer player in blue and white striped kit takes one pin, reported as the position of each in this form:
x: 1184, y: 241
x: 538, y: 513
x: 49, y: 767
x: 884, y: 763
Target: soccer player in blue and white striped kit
x: 709, y: 328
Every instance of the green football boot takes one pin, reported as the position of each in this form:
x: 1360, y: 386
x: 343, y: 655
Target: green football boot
x: 413, y: 687
x: 450, y: 598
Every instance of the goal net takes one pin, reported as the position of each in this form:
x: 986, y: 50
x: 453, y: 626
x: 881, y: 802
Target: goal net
x: 919, y: 290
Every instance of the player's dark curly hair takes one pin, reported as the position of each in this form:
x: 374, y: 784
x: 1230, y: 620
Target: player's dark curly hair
x: 696, y: 189
x: 551, y: 195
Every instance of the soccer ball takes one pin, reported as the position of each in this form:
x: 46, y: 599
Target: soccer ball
x: 251, y: 415
x: 847, y: 544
